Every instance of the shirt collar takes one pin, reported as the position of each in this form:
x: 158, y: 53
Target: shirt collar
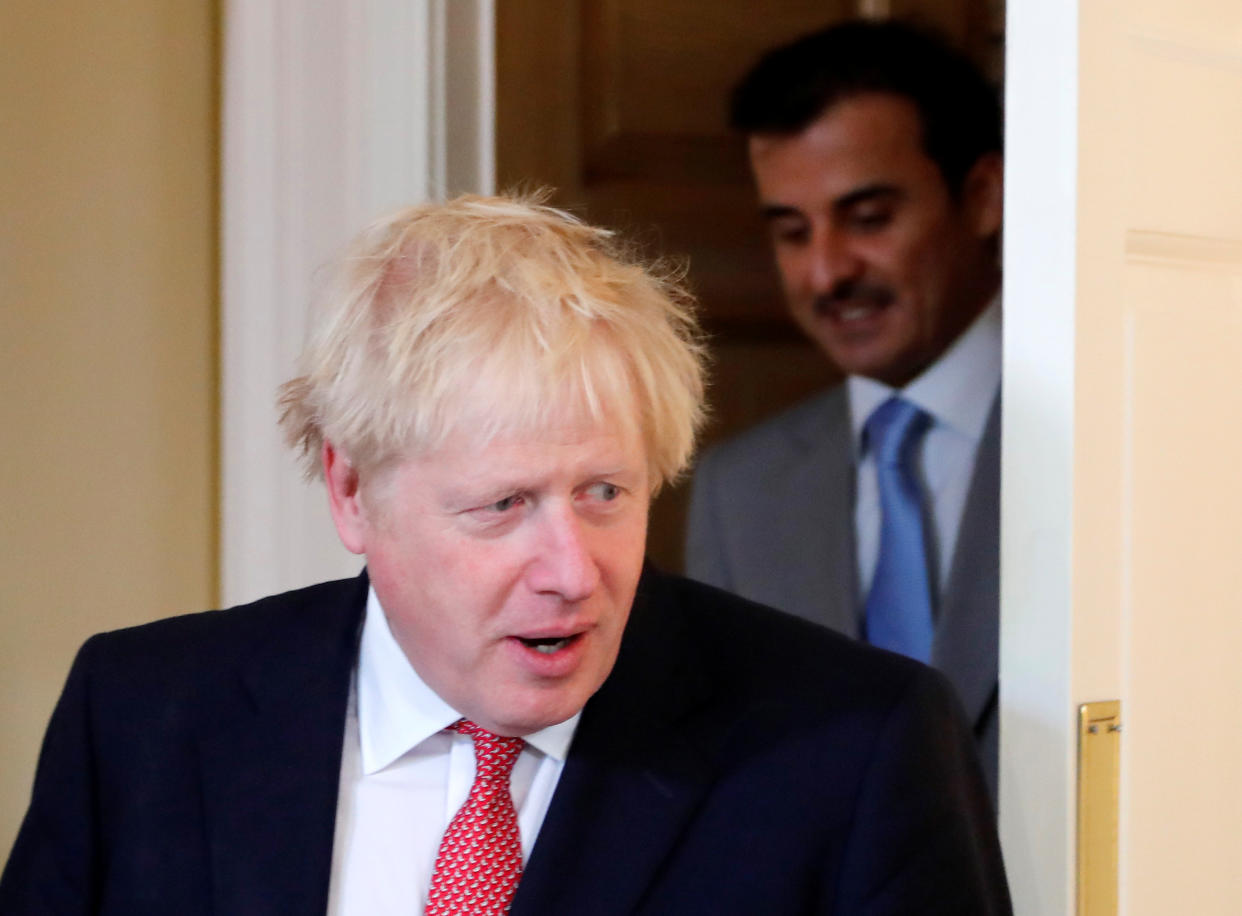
x: 397, y: 710
x: 957, y: 390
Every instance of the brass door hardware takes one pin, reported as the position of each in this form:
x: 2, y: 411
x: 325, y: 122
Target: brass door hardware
x: 1099, y: 777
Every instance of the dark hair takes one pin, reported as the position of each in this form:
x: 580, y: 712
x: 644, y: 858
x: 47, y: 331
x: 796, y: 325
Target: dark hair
x: 794, y: 84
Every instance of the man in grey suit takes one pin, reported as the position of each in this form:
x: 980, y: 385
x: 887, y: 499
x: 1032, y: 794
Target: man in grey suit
x: 876, y: 150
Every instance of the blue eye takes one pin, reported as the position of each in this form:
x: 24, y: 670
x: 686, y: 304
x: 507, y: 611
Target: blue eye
x: 606, y: 491
x: 504, y: 505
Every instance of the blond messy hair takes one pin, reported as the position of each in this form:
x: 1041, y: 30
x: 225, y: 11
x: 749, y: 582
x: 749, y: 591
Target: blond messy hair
x: 494, y: 315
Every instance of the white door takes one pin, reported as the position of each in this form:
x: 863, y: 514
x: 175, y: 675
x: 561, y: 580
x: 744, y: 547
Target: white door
x: 1122, y: 506
x: 334, y: 112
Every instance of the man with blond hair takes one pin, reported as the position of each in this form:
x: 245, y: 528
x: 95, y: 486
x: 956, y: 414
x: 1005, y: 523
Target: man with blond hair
x: 507, y: 711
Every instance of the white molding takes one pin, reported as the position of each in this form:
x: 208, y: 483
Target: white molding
x: 1037, y: 787
x: 470, y: 96
x: 334, y: 112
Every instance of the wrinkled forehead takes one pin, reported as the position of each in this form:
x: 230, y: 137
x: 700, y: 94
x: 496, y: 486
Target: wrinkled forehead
x: 492, y: 443
x: 539, y: 407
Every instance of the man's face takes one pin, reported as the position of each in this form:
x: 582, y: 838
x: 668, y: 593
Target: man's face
x: 881, y: 266
x: 506, y: 570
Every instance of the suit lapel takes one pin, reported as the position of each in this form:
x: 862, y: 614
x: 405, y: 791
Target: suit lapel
x: 271, y: 761
x: 839, y: 558
x: 634, y: 777
x: 819, y: 572
x: 967, y: 633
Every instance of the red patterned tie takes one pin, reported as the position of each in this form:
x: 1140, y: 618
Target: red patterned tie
x: 480, y: 857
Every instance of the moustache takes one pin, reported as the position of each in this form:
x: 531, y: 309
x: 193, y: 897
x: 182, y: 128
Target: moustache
x: 855, y: 293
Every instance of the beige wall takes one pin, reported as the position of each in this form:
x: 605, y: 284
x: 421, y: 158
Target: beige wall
x: 108, y: 338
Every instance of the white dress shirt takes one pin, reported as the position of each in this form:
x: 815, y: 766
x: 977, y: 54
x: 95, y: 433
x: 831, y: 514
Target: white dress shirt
x: 403, y: 777
x: 957, y: 392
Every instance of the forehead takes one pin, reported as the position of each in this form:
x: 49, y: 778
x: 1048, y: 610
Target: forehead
x: 567, y: 448
x: 860, y: 140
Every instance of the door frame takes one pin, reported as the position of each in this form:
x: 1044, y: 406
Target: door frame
x: 333, y: 113
x: 1037, y: 766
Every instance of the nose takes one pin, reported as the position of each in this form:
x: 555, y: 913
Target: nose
x: 564, y: 565
x: 831, y: 261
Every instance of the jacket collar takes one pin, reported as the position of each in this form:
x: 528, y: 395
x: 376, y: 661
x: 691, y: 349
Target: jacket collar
x: 271, y: 755
x: 641, y: 761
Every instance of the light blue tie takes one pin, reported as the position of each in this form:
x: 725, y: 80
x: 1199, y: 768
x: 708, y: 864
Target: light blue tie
x: 899, y: 609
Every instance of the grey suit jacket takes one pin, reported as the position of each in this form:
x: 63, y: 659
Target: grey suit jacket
x: 772, y: 519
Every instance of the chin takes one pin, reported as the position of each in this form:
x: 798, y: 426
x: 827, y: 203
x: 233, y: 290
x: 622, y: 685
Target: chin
x: 883, y: 367
x: 539, y: 715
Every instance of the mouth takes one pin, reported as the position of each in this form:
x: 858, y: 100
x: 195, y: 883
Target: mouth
x: 854, y: 305
x: 851, y: 312
x: 548, y: 645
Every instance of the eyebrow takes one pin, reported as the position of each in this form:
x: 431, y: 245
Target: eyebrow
x: 485, y: 492
x: 770, y: 212
x: 866, y: 193
x: 471, y: 494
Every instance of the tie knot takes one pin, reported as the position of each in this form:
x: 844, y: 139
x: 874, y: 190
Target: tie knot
x: 494, y: 755
x: 893, y: 429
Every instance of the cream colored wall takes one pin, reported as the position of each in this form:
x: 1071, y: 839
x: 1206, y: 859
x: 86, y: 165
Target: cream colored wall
x: 1159, y: 340
x: 1123, y: 439
x: 107, y: 335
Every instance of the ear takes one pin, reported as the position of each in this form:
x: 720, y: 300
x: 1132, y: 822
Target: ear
x: 983, y: 194
x: 344, y: 499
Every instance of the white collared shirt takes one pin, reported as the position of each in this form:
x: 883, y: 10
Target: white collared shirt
x: 957, y: 391
x: 403, y: 777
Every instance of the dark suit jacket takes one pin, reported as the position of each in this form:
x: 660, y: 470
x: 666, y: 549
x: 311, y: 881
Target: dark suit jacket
x: 772, y: 519
x: 736, y: 761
